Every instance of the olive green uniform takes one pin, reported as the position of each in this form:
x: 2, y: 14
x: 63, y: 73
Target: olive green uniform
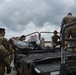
x: 55, y: 39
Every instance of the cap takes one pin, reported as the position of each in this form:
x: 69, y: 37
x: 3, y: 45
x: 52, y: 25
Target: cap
x: 2, y: 29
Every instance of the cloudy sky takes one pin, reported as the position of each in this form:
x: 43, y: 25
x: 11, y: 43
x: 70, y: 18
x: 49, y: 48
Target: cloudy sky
x: 25, y: 16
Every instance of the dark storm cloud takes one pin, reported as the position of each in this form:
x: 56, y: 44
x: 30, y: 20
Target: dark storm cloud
x: 21, y: 12
x: 16, y: 15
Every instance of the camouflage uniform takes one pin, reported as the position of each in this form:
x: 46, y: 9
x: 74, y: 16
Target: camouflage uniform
x: 7, y: 46
x: 70, y: 31
x: 4, y: 62
x: 6, y: 53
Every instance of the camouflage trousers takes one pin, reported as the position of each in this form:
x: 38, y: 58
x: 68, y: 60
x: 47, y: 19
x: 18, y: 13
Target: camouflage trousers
x: 71, y: 33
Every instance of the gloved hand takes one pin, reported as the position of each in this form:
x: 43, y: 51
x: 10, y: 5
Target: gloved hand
x: 8, y: 70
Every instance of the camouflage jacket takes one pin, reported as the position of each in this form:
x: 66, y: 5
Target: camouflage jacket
x: 4, y: 57
x: 7, y: 47
x: 68, y: 19
x: 6, y: 44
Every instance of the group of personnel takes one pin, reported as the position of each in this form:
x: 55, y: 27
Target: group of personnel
x: 6, y: 47
x: 20, y: 42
